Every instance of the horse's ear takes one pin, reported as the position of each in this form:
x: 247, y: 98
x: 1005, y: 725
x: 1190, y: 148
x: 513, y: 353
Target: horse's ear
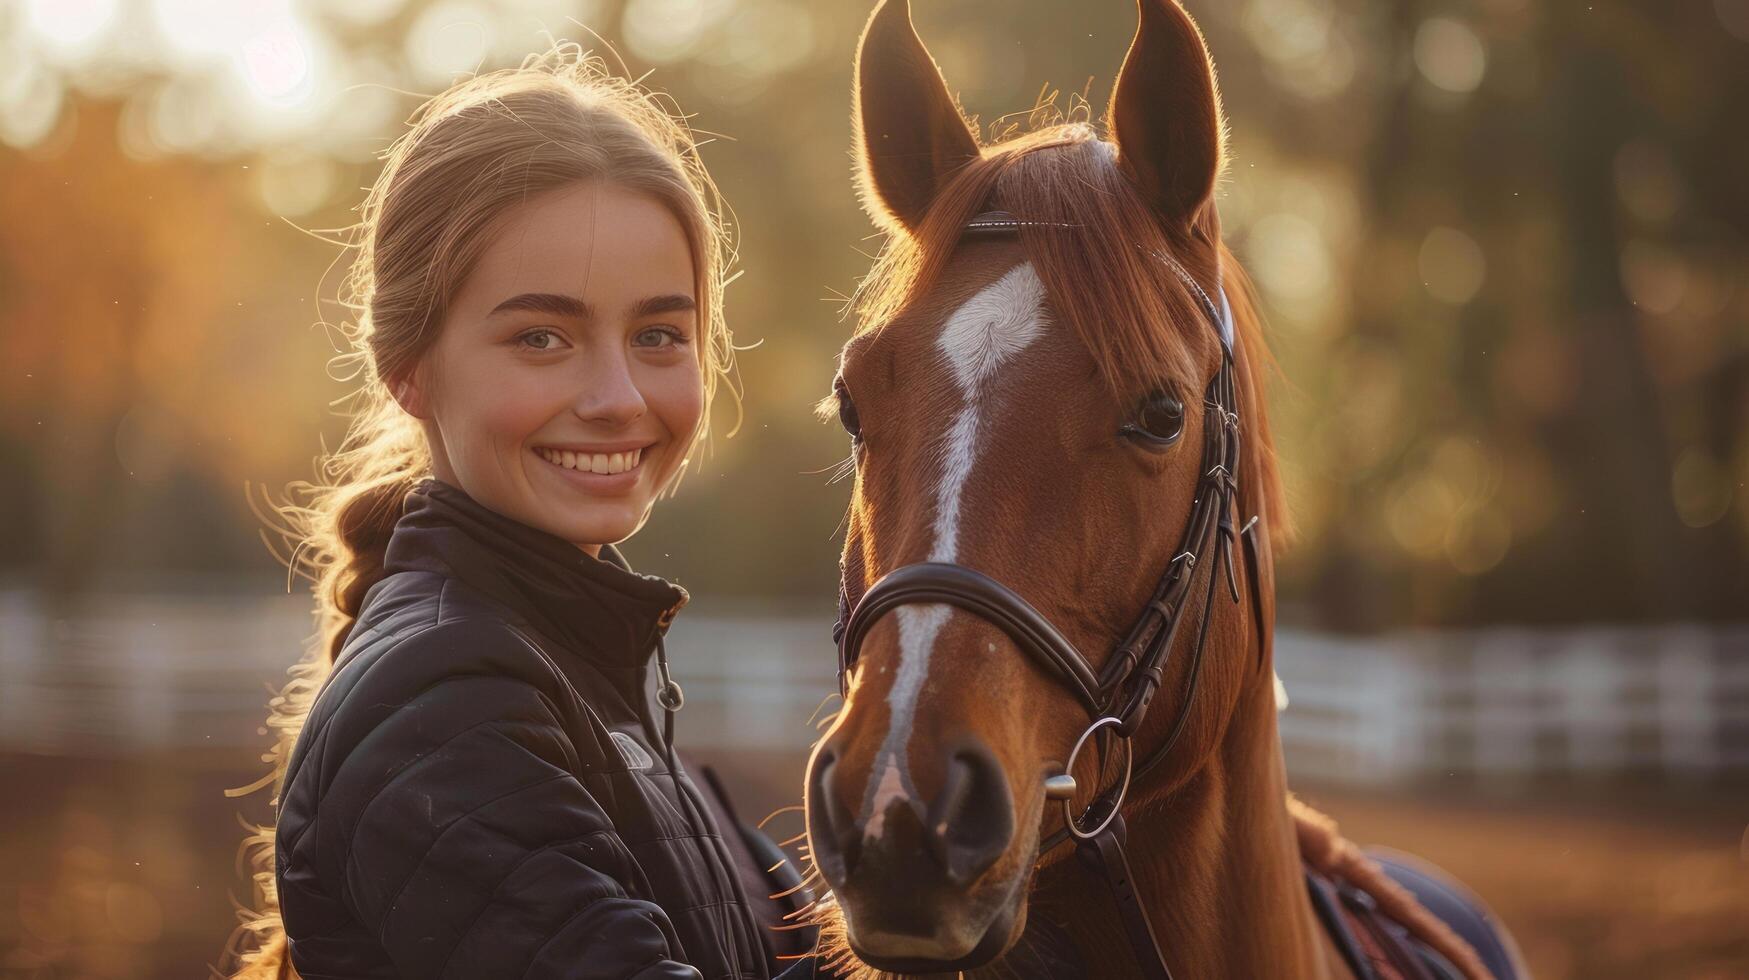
x: 1165, y: 113
x: 910, y: 136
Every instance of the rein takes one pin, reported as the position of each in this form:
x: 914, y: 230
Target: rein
x: 1116, y: 697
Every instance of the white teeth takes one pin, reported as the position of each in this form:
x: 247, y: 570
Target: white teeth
x: 593, y: 462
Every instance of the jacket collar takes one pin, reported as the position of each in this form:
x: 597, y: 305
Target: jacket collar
x: 599, y: 608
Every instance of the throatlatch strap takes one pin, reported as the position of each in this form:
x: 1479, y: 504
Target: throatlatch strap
x: 1103, y: 854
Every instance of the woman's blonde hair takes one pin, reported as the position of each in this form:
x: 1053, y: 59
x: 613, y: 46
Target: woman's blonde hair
x: 485, y: 145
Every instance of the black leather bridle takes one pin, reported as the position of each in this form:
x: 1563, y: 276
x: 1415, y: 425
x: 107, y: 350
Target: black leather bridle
x: 1116, y: 696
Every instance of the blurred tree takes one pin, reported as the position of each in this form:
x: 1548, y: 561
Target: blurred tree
x: 1541, y: 476
x: 79, y: 241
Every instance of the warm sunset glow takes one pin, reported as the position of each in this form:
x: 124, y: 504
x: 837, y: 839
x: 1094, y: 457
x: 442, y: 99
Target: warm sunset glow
x: 1499, y: 250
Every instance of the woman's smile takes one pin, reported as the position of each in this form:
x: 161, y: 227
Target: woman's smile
x: 596, y: 469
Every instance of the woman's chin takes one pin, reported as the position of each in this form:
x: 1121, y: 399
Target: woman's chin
x: 591, y: 527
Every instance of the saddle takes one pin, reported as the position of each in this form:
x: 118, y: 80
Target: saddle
x: 1393, y: 917
x: 1375, y: 946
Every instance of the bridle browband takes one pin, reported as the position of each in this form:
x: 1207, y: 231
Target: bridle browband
x: 1118, y: 695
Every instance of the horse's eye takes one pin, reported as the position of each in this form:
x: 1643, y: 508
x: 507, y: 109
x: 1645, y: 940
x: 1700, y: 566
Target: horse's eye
x: 847, y: 414
x: 1159, y: 421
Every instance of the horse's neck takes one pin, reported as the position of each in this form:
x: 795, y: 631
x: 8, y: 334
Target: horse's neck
x: 1219, y: 871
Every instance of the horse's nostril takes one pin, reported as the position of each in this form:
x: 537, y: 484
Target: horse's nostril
x: 832, y: 831
x: 971, y: 820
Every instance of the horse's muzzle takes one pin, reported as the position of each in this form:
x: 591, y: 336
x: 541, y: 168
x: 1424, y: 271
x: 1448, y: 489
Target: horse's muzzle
x: 911, y: 880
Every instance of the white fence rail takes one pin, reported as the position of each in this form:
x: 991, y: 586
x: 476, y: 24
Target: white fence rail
x: 1515, y: 703
x: 139, y: 673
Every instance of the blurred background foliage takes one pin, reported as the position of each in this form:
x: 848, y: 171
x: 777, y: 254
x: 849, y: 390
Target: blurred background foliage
x: 1501, y: 245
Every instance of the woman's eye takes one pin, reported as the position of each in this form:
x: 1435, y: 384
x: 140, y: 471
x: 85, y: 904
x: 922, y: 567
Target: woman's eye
x: 539, y: 339
x: 659, y: 337
x: 1159, y: 421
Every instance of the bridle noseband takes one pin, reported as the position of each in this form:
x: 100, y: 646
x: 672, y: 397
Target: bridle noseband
x: 1117, y: 696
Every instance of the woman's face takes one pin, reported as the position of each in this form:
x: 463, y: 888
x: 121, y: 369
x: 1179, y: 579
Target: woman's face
x: 566, y: 385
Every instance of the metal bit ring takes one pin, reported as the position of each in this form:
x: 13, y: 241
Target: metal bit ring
x: 1122, y: 790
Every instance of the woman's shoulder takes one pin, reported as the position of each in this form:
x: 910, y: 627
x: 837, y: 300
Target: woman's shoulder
x: 405, y: 606
x: 439, y: 630
x: 424, y: 649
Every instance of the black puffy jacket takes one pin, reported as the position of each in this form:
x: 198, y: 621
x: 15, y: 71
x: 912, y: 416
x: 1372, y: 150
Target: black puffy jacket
x: 481, y: 790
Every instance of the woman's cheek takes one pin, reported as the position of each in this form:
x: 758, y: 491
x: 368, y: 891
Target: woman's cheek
x: 519, y: 403
x: 682, y: 399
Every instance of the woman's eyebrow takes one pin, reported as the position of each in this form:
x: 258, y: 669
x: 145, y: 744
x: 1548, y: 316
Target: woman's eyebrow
x: 556, y: 304
x: 550, y: 303
x: 656, y: 305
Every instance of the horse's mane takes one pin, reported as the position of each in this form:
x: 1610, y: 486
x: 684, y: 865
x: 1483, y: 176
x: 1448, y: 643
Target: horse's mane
x: 1099, y: 247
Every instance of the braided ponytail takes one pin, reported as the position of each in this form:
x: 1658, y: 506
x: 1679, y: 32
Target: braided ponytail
x: 470, y: 154
x: 342, y: 531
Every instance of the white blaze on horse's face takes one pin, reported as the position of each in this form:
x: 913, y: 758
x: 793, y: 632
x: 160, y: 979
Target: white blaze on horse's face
x: 987, y: 332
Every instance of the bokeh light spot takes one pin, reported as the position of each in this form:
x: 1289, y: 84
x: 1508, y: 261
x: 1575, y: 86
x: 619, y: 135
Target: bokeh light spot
x: 1452, y: 265
x: 1654, y: 277
x: 1305, y: 53
x: 207, y: 29
x: 1478, y: 542
x: 666, y: 30
x: 1420, y: 514
x: 449, y: 39
x: 185, y: 116
x: 1450, y: 55
x: 276, y: 64
x: 1288, y: 30
x: 1289, y: 257
x: 69, y: 28
x: 30, y: 104
x: 1700, y: 488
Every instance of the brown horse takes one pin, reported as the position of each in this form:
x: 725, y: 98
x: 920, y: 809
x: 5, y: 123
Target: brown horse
x: 1026, y: 397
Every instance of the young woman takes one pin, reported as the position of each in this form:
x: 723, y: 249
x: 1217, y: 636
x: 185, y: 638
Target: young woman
x: 479, y: 786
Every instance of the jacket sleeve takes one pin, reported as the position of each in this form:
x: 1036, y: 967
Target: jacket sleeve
x: 471, y: 849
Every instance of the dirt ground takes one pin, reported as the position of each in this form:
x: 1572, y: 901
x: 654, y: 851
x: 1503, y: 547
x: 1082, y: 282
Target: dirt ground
x: 126, y: 870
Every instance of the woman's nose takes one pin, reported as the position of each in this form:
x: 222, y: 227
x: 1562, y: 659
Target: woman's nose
x: 609, y: 394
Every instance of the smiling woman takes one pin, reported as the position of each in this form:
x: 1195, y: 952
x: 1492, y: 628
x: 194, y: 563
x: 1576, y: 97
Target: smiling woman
x: 472, y: 780
x: 564, y: 388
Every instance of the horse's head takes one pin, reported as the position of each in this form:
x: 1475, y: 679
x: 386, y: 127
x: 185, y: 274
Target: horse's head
x: 1027, y: 400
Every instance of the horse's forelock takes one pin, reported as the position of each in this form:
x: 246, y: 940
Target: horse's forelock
x: 1095, y: 243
